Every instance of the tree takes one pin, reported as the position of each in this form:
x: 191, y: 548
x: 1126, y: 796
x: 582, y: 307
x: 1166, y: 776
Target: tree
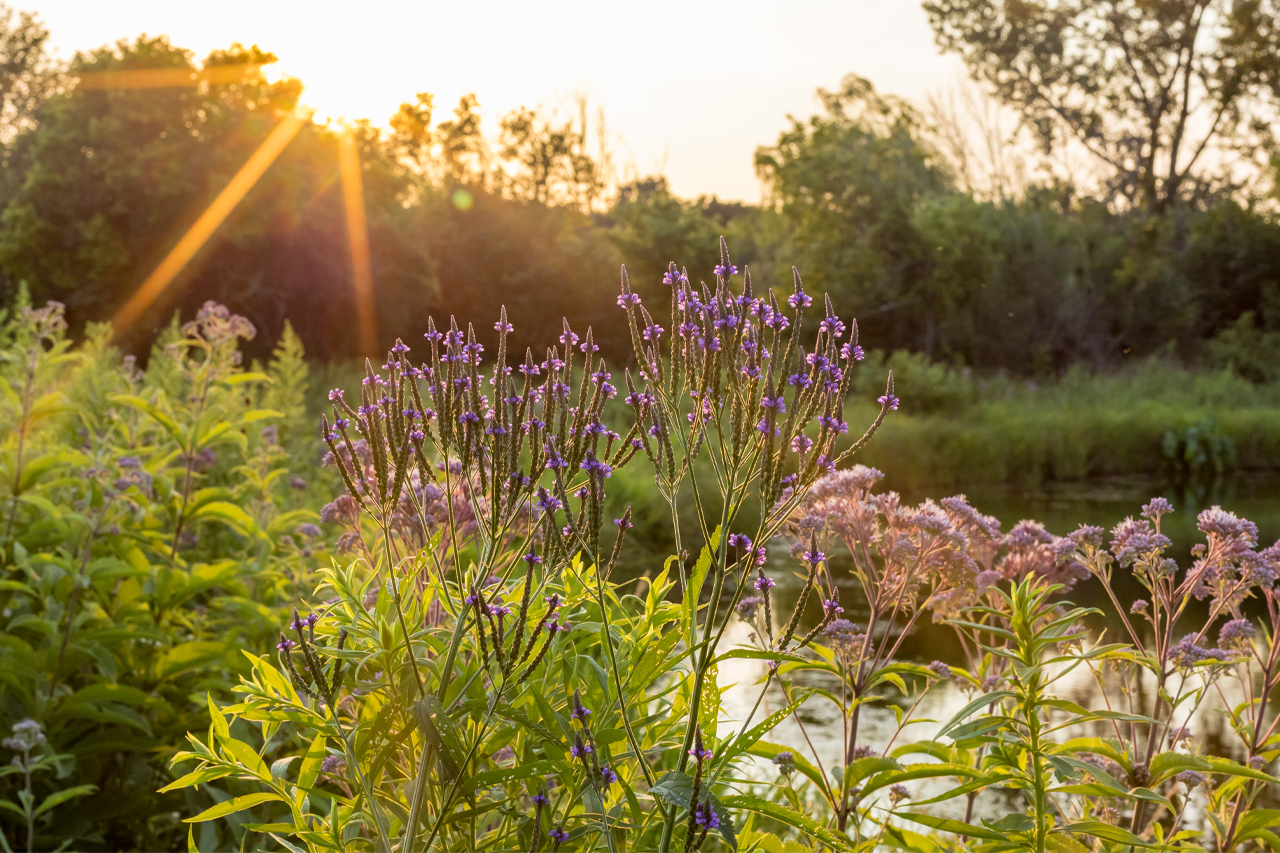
x: 28, y: 74
x: 110, y: 178
x: 1170, y: 97
x: 848, y: 182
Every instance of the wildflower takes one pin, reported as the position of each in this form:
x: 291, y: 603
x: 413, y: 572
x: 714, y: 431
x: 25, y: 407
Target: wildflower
x: 285, y: 643
x: 607, y: 776
x: 705, y: 816
x: 1155, y: 508
x: 1257, y: 762
x: 1236, y: 634
x: 1191, y: 778
x: 829, y: 606
x: 799, y: 300
x: 1139, y: 606
x: 623, y: 523
x: 558, y: 835
x: 748, y: 607
x: 786, y: 763
x: 852, y: 351
x: 725, y: 270
x: 940, y: 669
x: 898, y: 793
x: 333, y: 764
x: 531, y: 558
x: 628, y: 299
x: 813, y: 556
x: 540, y: 799
x: 580, y: 711
x: 863, y: 751
x: 740, y: 540
x: 889, y: 401
x: 1187, y: 653
x: 27, y: 735
x: 763, y: 583
x: 700, y: 754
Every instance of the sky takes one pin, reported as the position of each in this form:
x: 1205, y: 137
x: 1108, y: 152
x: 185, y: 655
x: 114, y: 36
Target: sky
x: 688, y: 89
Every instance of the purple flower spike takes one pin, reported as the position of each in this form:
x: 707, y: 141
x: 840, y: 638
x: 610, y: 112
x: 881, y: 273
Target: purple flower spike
x: 558, y: 835
x: 607, y: 775
x: 740, y: 540
x: 763, y: 583
x: 888, y: 400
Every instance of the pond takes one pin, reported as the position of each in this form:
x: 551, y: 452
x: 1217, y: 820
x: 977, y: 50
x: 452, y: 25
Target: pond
x: 816, y: 730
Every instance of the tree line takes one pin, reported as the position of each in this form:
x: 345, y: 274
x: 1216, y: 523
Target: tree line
x: 1140, y: 220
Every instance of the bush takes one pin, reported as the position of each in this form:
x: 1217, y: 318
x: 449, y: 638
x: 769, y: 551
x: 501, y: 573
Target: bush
x: 153, y: 531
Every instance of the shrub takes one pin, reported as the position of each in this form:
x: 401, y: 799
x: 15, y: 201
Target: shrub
x: 151, y: 531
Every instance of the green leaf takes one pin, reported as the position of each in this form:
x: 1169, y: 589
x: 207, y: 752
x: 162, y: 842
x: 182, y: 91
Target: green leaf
x: 236, y: 805
x: 510, y: 774
x: 760, y: 654
x: 981, y: 702
x: 1105, y: 831
x: 1168, y: 764
x: 1231, y: 768
x: 674, y: 788
x: 726, y: 822
x: 309, y: 769
x: 197, y: 777
x: 791, y: 818
x: 58, y: 797
x: 693, y: 589
x: 958, y: 827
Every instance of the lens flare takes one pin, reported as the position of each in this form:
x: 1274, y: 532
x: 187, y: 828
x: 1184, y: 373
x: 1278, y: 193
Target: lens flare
x: 200, y: 232
x: 358, y: 240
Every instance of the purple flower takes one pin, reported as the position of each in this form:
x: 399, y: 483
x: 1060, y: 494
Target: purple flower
x: 1139, y: 606
x: 607, y: 775
x: 801, y: 444
x: 671, y: 278
x: 888, y: 400
x: 285, y: 643
x: 1236, y: 634
x: 763, y: 583
x: 740, y: 540
x: 799, y: 300
x: 580, y: 711
x: 1155, y: 508
x: 829, y: 606
x: 705, y: 816
x: 628, y: 299
x: 623, y: 523
x: 558, y: 835
x: 786, y: 762
x: 580, y: 750
x: 725, y: 270
x: 540, y: 799
x: 940, y: 669
x: 813, y: 556
x: 531, y: 558
x: 749, y: 606
x: 700, y: 754
x: 1191, y: 778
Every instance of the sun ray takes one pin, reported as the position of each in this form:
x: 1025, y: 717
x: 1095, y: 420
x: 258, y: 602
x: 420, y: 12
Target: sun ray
x: 200, y: 232
x: 358, y: 239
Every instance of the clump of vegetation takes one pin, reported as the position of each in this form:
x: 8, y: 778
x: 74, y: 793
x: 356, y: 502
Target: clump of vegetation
x: 154, y: 526
x: 473, y: 677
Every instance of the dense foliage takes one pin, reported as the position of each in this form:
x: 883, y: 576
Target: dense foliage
x: 154, y: 527
x: 99, y: 178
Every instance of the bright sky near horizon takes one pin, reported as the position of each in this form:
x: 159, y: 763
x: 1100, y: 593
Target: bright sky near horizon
x: 689, y: 89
